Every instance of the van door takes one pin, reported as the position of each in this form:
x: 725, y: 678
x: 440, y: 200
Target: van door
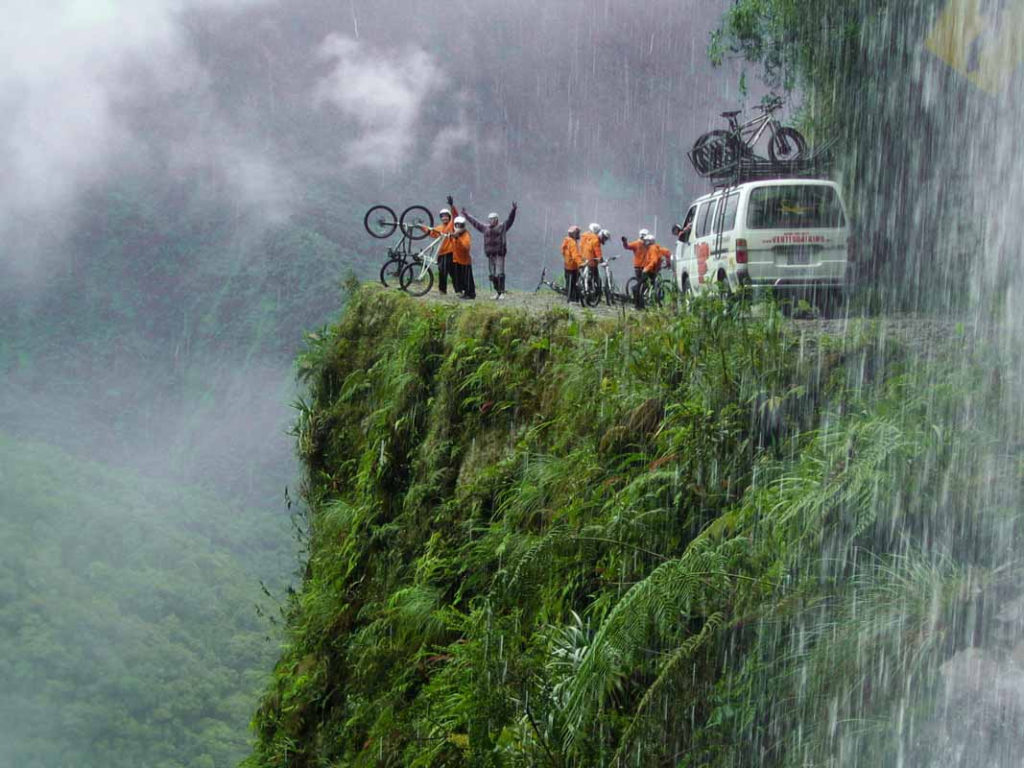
x: 797, y: 235
x: 723, y: 251
x: 683, y: 261
x: 706, y: 267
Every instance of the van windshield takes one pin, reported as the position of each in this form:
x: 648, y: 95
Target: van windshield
x: 809, y: 206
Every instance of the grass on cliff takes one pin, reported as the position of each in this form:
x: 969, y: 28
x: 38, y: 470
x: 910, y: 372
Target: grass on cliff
x: 660, y: 540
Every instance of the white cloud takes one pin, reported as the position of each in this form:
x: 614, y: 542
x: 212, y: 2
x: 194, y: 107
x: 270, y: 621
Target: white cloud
x: 381, y: 97
x: 70, y: 67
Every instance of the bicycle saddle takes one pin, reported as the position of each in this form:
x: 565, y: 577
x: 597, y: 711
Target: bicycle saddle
x: 727, y: 115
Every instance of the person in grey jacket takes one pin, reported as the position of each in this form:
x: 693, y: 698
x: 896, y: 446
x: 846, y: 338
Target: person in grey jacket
x: 495, y: 246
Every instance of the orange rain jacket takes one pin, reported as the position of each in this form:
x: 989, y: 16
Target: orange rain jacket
x: 590, y: 248
x: 571, y: 254
x: 655, y: 253
x: 460, y: 248
x: 639, y: 249
x: 445, y: 229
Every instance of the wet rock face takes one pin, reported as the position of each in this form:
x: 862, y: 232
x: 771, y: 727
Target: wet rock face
x: 983, y: 724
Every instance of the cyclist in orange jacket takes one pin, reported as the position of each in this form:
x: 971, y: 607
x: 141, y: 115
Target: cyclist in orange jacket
x: 445, y: 265
x: 639, y: 249
x: 655, y: 257
x: 573, y: 260
x: 590, y: 251
x: 461, y: 241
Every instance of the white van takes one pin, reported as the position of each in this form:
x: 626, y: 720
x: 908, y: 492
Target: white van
x: 790, y: 236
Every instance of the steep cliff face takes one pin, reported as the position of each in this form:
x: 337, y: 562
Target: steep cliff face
x: 541, y: 539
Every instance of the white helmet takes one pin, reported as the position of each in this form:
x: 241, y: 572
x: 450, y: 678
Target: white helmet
x: 492, y: 216
x: 460, y: 223
x: 647, y: 237
x: 644, y: 233
x: 604, y: 234
x: 574, y: 230
x: 445, y: 212
x: 594, y: 227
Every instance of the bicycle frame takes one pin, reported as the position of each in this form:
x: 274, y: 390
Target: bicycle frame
x: 751, y: 131
x: 427, y: 257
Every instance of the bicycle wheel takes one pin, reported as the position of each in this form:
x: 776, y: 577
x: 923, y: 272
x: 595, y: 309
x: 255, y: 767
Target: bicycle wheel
x: 416, y: 279
x: 656, y: 292
x: 413, y: 218
x: 715, y: 149
x: 380, y: 222
x: 786, y: 146
x: 391, y: 271
x: 631, y: 289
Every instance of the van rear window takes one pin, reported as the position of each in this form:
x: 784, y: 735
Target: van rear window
x: 810, y: 206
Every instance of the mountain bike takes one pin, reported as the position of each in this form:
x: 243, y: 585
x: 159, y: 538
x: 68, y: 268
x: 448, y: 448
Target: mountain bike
x: 417, y: 276
x: 657, y: 291
x: 651, y: 291
x: 380, y: 221
x: 589, y: 287
x: 556, y: 287
x: 398, y: 256
x: 785, y: 144
x: 609, y: 288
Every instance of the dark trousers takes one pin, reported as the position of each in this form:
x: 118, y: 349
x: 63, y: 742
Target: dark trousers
x: 456, y: 273
x: 445, y: 268
x: 464, y: 277
x: 496, y: 271
x: 572, y: 285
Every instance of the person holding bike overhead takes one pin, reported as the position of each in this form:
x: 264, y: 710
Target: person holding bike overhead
x: 444, y: 252
x: 573, y: 260
x: 461, y: 241
x: 495, y: 247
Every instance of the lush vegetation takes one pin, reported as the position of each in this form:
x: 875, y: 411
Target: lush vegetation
x: 661, y: 540
x: 129, y: 612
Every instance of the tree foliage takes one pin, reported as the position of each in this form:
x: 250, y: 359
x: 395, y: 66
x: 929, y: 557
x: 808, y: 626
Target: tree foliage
x: 128, y: 610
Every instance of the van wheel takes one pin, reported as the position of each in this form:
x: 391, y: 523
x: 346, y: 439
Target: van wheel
x: 831, y: 302
x: 684, y: 294
x: 722, y: 284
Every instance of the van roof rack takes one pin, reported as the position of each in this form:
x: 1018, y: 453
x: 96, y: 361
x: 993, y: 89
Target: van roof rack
x: 727, y: 164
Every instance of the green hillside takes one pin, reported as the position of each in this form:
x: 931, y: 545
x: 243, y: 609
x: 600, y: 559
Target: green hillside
x: 128, y: 610
x: 693, y: 539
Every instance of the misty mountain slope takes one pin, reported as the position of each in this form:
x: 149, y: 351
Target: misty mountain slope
x: 128, y: 612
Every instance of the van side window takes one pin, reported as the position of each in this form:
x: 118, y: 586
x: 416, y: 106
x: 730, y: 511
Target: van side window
x: 688, y: 222
x: 729, y: 218
x: 702, y: 213
x: 704, y: 217
x: 725, y: 217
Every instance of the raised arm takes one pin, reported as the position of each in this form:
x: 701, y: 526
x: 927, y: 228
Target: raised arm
x: 469, y: 217
x: 511, y: 216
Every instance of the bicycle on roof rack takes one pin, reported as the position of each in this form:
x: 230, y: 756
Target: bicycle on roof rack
x: 380, y: 221
x: 720, y: 147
